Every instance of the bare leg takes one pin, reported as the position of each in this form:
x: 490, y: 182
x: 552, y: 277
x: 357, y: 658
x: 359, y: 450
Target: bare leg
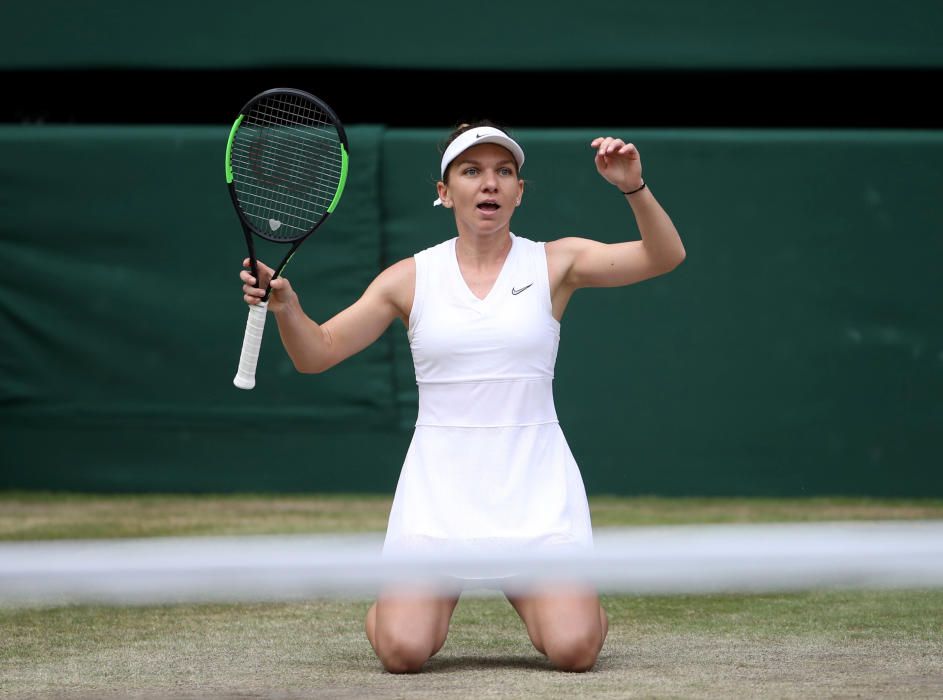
x: 568, y: 625
x: 406, y: 628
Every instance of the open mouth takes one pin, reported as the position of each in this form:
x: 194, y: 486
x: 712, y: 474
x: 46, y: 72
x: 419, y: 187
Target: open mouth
x: 489, y: 206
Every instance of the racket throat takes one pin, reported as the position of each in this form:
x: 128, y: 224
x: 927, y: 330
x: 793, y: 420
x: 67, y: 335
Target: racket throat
x: 280, y: 269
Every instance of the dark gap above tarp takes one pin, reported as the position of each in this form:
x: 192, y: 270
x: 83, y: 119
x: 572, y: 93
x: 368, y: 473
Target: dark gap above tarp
x: 808, y: 98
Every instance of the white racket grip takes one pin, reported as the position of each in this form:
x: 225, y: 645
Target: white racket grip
x: 251, y: 343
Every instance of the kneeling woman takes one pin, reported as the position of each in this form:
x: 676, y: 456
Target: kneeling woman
x: 488, y: 466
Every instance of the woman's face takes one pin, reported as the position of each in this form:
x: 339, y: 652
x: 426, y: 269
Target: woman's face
x: 483, y: 187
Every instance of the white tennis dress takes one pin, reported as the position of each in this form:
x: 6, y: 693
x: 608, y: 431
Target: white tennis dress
x: 488, y: 465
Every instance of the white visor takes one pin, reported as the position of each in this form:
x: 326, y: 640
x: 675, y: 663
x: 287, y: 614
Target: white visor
x: 473, y: 137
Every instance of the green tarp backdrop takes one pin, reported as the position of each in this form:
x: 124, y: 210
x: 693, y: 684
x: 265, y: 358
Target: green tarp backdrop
x: 523, y: 34
x: 797, y: 351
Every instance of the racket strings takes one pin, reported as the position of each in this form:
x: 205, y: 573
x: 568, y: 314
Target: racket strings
x: 317, y: 132
x: 283, y: 163
x: 287, y: 165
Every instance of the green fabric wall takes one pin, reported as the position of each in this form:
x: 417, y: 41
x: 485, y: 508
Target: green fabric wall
x: 123, y: 319
x: 797, y: 351
x: 528, y: 35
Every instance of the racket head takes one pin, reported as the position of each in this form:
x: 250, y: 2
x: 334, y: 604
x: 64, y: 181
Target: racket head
x: 286, y: 164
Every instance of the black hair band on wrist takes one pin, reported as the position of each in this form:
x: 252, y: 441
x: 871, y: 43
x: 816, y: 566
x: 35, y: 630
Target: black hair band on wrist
x: 638, y: 189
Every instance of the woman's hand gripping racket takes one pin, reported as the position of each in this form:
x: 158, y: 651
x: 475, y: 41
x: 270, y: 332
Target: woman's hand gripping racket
x: 286, y: 165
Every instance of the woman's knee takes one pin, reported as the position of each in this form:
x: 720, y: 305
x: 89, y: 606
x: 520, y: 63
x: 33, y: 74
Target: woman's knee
x: 407, y: 630
x: 576, y: 651
x: 401, y: 653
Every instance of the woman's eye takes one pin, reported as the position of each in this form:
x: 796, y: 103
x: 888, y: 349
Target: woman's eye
x: 505, y: 171
x: 471, y: 171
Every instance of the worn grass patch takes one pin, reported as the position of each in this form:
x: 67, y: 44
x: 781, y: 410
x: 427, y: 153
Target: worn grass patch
x: 35, y: 516
x: 40, y: 516
x: 821, y: 644
x: 886, y: 644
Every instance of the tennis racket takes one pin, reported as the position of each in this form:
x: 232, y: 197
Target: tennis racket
x: 286, y: 166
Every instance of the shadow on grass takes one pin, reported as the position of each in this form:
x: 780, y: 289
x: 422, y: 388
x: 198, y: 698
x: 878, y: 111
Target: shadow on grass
x: 480, y: 663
